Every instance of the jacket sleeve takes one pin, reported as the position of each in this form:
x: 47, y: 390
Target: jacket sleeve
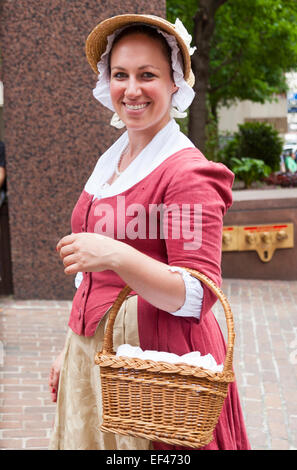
x: 198, y: 195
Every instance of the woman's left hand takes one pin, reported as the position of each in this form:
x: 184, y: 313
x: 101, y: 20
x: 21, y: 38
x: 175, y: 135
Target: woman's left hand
x: 87, y: 252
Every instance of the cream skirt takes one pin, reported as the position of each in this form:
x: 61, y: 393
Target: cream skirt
x: 79, y: 406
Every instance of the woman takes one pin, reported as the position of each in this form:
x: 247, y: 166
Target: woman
x: 152, y: 205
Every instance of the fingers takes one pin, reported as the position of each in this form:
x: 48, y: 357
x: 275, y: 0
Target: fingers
x: 54, y: 376
x: 53, y: 391
x: 69, y: 260
x: 54, y: 395
x: 65, y: 241
x: 72, y: 269
x: 50, y: 380
x: 66, y: 250
x: 53, y: 384
x: 54, y: 379
x: 67, y: 253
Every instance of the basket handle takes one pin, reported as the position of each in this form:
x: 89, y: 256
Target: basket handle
x: 108, y: 336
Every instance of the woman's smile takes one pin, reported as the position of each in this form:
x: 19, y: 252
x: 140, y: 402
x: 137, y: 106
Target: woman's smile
x: 136, y: 107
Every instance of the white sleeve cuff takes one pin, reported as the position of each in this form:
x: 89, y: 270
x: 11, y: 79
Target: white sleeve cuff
x: 78, y: 279
x: 194, y: 295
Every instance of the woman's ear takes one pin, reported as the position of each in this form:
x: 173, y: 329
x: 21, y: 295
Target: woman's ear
x: 175, y: 88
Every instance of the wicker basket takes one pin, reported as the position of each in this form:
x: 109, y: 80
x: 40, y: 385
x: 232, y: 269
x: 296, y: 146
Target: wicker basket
x: 177, y: 404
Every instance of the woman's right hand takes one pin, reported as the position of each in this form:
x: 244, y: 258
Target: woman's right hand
x: 55, y: 376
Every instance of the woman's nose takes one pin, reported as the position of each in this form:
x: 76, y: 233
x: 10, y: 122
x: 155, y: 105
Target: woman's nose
x: 133, y: 89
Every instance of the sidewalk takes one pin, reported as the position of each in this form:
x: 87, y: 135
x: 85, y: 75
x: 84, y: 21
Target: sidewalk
x: 265, y: 362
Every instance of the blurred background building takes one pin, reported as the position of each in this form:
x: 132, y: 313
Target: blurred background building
x: 280, y: 113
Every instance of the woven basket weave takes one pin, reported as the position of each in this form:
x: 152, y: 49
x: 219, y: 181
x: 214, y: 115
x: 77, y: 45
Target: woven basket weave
x: 178, y: 404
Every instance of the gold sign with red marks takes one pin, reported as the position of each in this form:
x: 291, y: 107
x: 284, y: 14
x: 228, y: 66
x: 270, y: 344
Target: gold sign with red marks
x: 264, y: 239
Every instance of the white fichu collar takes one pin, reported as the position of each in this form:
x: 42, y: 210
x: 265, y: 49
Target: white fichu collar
x: 181, y: 99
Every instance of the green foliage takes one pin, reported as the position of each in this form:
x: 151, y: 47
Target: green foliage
x: 212, y: 137
x: 183, y: 124
x: 184, y: 10
x: 255, y: 140
x: 249, y: 170
x: 254, y: 43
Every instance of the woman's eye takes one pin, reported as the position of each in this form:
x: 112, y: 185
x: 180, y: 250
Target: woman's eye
x: 148, y: 75
x: 119, y: 75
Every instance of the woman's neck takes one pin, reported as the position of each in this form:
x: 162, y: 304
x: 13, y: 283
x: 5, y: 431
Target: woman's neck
x: 139, y: 139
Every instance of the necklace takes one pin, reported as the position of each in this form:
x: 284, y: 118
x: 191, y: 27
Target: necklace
x: 117, y: 171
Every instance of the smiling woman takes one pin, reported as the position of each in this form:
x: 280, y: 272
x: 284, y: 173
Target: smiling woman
x: 154, y: 171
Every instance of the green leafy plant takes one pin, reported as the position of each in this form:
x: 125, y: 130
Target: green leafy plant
x: 249, y: 170
x: 258, y: 140
x: 261, y: 140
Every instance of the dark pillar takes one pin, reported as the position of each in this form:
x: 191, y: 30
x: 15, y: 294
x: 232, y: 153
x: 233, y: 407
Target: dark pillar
x: 5, y: 257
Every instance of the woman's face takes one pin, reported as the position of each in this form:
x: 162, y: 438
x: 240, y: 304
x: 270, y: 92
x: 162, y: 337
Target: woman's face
x: 141, y: 86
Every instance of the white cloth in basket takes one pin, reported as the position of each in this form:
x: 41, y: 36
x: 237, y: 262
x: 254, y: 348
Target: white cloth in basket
x: 193, y: 358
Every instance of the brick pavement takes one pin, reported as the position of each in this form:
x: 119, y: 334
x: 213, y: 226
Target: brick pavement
x: 265, y: 361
